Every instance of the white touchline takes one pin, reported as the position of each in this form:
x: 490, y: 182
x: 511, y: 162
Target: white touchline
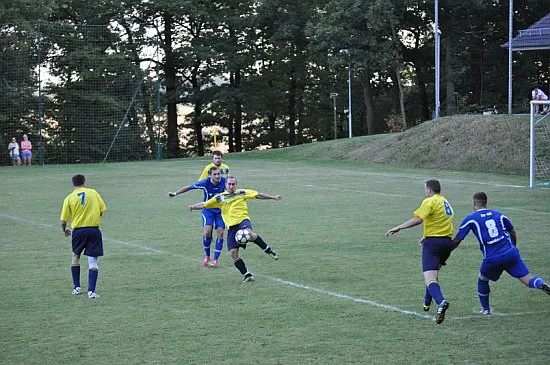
x: 423, y: 178
x: 345, y: 296
x: 525, y: 210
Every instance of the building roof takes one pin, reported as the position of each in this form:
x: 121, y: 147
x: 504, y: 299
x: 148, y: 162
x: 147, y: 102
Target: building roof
x: 536, y: 37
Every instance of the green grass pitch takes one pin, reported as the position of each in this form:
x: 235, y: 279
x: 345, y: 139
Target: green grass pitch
x: 341, y: 293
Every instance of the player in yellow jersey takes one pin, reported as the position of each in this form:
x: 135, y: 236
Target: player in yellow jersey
x: 232, y: 203
x: 437, y: 215
x: 216, y: 162
x: 84, y: 207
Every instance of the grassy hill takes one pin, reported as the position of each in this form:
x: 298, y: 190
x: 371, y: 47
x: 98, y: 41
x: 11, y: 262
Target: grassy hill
x: 476, y: 143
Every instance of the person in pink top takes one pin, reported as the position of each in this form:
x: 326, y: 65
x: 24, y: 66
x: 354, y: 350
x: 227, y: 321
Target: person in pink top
x: 26, y: 154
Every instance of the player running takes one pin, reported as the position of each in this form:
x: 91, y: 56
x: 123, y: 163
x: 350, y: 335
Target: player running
x: 497, y: 241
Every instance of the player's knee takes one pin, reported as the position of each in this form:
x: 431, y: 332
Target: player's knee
x: 483, y: 287
x: 92, y: 263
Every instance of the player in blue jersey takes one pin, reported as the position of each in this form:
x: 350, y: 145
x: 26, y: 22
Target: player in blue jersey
x: 211, y: 217
x: 234, y: 208
x: 497, y: 241
x: 437, y: 244
x: 84, y: 208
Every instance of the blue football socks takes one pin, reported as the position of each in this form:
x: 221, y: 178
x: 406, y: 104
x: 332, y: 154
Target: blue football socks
x: 435, y: 291
x: 75, y: 271
x: 536, y: 282
x: 483, y: 291
x: 206, y: 242
x: 219, y: 248
x: 92, y: 279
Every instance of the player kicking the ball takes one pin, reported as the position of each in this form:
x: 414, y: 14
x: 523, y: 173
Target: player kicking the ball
x: 232, y: 203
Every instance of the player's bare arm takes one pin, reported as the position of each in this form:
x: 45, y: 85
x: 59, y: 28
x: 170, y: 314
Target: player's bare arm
x: 182, y: 190
x: 66, y: 231
x: 196, y: 206
x: 414, y: 221
x: 267, y: 196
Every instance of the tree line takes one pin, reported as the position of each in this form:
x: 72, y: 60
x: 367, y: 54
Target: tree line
x: 261, y: 70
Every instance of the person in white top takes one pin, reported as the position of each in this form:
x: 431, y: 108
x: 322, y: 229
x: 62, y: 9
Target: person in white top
x: 13, y: 147
x: 538, y: 94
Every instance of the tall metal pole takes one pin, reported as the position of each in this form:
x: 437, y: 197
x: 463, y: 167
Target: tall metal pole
x: 532, y: 113
x: 345, y: 52
x: 349, y: 95
x: 437, y: 59
x: 333, y: 96
x: 40, y: 101
x: 510, y: 31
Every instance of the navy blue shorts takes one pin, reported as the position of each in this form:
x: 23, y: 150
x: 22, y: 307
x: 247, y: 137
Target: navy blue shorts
x: 492, y: 267
x: 212, y: 217
x: 435, y: 251
x: 89, y: 240
x: 231, y: 241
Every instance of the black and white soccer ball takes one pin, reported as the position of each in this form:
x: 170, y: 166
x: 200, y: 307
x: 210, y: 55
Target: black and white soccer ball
x: 242, y: 236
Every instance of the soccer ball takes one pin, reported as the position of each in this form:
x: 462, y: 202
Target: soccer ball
x: 242, y: 236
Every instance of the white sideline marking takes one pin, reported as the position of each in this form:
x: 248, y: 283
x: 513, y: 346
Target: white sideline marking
x: 386, y: 307
x: 423, y: 178
x: 496, y: 314
x: 123, y: 243
x: 526, y: 210
x: 345, y: 296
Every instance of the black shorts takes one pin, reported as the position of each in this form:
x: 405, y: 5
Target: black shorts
x: 435, y: 251
x: 89, y: 240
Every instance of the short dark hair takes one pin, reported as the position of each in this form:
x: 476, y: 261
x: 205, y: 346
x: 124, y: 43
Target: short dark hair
x: 481, y: 198
x: 78, y: 180
x: 217, y: 153
x: 434, y: 186
x: 212, y: 169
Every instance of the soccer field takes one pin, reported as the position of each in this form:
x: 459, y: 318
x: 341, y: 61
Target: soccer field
x: 341, y: 292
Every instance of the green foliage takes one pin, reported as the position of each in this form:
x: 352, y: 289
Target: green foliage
x: 264, y: 70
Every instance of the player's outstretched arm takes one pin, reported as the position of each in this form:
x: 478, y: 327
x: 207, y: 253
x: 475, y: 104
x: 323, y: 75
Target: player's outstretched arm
x: 267, y: 196
x: 172, y: 194
x: 196, y: 206
x: 414, y: 221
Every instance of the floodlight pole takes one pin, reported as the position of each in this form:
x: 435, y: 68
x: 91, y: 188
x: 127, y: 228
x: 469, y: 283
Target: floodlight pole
x: 345, y: 52
x: 437, y: 58
x: 333, y: 97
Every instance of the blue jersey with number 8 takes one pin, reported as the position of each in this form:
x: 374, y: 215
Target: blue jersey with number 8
x: 491, y: 229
